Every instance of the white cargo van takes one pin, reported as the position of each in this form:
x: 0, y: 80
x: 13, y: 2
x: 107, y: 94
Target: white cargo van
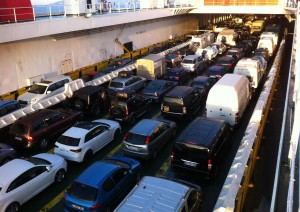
x: 158, y: 194
x: 272, y: 35
x: 266, y: 42
x: 252, y: 69
x: 228, y: 98
x: 151, y: 67
x: 227, y: 36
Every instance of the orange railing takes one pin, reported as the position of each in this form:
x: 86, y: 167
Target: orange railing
x: 241, y: 2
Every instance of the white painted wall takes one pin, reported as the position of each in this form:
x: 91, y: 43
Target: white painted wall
x: 25, y: 59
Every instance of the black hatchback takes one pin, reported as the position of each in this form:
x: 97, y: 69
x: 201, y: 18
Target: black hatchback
x: 181, y: 102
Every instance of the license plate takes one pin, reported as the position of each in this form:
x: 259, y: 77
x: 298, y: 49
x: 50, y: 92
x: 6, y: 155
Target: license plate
x: 190, y: 163
x: 18, y: 138
x: 77, y: 207
x: 166, y: 109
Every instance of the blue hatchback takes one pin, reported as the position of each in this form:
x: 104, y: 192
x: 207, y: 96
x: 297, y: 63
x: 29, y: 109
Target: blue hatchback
x: 103, y: 185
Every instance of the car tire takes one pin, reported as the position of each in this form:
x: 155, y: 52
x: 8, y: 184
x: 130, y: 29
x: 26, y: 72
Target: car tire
x: 5, y: 160
x: 43, y: 143
x: 60, y: 175
x: 13, y: 207
x: 88, y: 156
x: 95, y: 111
x: 117, y: 133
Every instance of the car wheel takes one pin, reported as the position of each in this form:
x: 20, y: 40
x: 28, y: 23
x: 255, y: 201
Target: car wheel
x: 5, y: 160
x: 13, y: 207
x: 88, y: 156
x: 43, y: 143
x: 60, y: 175
x: 95, y: 111
x: 117, y: 133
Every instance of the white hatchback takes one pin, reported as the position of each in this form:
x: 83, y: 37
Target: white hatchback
x: 22, y: 179
x: 82, y: 141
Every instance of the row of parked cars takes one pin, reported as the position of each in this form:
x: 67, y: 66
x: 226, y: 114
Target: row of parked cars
x: 198, y: 149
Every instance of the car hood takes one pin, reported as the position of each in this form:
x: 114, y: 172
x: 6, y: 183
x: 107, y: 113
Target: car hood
x: 29, y: 96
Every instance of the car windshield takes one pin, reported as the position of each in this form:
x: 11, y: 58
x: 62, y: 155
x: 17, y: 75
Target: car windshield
x: 69, y: 141
x: 188, y: 61
x: 197, y: 84
x: 37, y: 161
x: 171, y: 100
x: 38, y: 89
x: 135, y: 138
x: 153, y: 87
x: 191, y: 151
x: 83, y: 192
x: 116, y: 85
x: 20, y: 129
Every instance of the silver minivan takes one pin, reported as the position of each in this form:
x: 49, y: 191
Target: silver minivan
x: 147, y: 137
x: 160, y: 194
x: 194, y: 63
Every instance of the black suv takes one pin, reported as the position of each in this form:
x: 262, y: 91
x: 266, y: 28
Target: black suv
x: 181, y: 102
x: 201, y: 147
x: 90, y: 99
x: 127, y: 106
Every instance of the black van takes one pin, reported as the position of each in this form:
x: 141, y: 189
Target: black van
x: 200, y: 147
x: 182, y: 102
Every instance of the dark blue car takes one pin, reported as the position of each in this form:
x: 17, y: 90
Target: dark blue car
x: 8, y: 106
x: 103, y: 185
x: 177, y: 74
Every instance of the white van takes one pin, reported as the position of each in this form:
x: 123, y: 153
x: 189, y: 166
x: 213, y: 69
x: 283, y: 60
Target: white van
x: 251, y: 68
x: 228, y: 98
x: 44, y: 89
x: 158, y: 194
x: 266, y: 42
x: 227, y: 36
x: 272, y: 35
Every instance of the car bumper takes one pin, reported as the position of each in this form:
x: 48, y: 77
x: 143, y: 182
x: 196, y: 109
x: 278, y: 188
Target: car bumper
x: 134, y: 154
x: 68, y: 156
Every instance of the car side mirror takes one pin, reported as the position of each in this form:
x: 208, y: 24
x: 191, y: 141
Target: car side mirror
x: 48, y: 168
x: 48, y: 92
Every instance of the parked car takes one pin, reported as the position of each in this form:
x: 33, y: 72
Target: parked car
x: 103, y: 185
x: 236, y: 53
x: 182, y: 102
x: 177, y: 74
x: 216, y: 72
x: 247, y: 48
x: 145, y: 139
x: 8, y: 106
x: 39, y: 128
x: 117, y: 64
x: 91, y: 76
x: 262, y: 52
x: 156, y: 89
x: 262, y: 60
x: 80, y: 142
x: 7, y: 153
x: 126, y: 81
x: 203, y: 84
x: 90, y: 99
x: 128, y: 107
x: 253, y: 40
x: 161, y: 194
x: 228, y: 62
x: 44, y: 89
x: 24, y: 178
x: 200, y: 148
x: 194, y: 64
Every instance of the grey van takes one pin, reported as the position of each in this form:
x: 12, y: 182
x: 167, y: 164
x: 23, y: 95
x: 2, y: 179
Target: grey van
x: 159, y: 194
x: 200, y: 147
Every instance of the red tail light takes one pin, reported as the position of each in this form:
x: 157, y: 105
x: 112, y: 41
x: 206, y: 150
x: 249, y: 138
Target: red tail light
x: 75, y: 150
x: 64, y: 198
x: 177, y: 78
x: 236, y: 117
x: 148, y: 138
x: 126, y: 136
x: 172, y: 157
x: 230, y: 65
x: 156, y: 94
x: 29, y: 138
x: 95, y: 207
x: 209, y: 165
x: 126, y: 112
x: 165, y: 77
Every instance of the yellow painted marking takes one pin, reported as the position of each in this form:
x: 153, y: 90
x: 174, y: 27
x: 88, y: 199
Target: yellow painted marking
x: 163, y: 168
x: 53, y: 202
